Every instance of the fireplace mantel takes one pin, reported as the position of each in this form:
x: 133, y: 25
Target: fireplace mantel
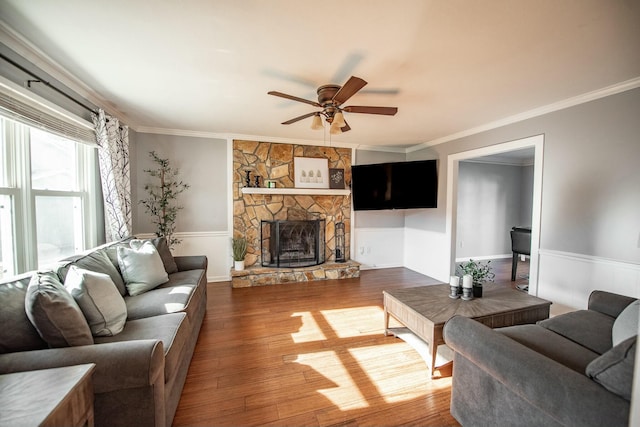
x: 305, y: 191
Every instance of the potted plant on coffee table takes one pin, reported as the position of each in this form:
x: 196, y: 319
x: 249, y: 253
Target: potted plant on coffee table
x: 239, y: 249
x: 480, y: 273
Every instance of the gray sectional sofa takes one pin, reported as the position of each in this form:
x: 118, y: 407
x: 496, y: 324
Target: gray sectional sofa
x: 575, y: 369
x: 142, y: 344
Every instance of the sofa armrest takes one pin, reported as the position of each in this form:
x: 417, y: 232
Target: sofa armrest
x: 119, y: 365
x: 609, y: 303
x: 563, y: 394
x: 191, y: 262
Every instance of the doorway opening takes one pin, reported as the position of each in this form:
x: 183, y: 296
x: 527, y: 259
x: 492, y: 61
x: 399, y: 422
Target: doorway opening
x: 531, y: 148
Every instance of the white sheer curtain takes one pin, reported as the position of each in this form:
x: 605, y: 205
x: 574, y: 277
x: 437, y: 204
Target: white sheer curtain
x: 113, y: 154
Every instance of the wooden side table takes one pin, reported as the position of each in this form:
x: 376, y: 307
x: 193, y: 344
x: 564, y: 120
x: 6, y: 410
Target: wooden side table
x: 48, y: 397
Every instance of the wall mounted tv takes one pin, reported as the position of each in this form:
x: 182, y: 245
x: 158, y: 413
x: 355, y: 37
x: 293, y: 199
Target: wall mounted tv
x: 398, y: 185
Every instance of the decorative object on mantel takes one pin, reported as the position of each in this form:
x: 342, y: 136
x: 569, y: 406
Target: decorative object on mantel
x: 270, y: 184
x: 257, y: 181
x: 311, y: 172
x: 161, y: 202
x: 479, y: 272
x: 239, y: 249
x: 336, y: 178
x: 247, y: 179
x: 340, y: 244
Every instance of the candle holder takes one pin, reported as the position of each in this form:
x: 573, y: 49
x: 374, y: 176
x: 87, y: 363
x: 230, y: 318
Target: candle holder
x: 247, y: 179
x: 257, y: 181
x: 453, y: 292
x: 467, y: 294
x: 454, y: 287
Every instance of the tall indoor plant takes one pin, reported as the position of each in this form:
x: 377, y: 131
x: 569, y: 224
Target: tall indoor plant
x: 480, y: 272
x: 161, y: 202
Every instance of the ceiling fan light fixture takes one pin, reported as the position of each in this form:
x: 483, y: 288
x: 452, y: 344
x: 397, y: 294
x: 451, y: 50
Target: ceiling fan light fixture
x: 335, y: 128
x: 338, y: 119
x: 316, y: 124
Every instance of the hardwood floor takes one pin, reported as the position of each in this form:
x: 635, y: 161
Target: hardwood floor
x: 309, y: 354
x: 314, y: 354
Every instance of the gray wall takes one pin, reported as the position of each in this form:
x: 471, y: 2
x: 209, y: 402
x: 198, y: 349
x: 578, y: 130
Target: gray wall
x: 591, y: 178
x: 203, y: 165
x: 490, y: 202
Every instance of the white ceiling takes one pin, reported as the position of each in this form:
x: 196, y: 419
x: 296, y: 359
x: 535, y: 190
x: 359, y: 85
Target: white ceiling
x: 448, y: 65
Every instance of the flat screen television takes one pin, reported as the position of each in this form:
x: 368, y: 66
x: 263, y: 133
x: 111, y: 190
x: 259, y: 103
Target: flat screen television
x: 398, y: 185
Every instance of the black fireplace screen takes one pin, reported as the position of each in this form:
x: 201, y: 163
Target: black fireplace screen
x: 292, y: 243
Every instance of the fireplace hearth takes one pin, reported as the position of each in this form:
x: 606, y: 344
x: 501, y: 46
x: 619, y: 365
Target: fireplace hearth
x: 287, y: 243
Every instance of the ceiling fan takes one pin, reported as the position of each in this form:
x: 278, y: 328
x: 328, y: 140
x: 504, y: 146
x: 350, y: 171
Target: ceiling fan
x: 330, y: 99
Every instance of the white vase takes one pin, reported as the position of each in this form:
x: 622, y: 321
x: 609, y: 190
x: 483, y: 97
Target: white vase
x: 238, y: 265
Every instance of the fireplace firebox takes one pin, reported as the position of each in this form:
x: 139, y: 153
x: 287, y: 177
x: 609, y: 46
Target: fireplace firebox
x: 292, y: 243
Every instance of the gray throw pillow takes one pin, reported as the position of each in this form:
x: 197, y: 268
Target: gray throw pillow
x: 54, y: 313
x: 100, y: 302
x: 626, y: 324
x: 614, y: 369
x: 97, y: 261
x: 142, y: 268
x: 162, y: 246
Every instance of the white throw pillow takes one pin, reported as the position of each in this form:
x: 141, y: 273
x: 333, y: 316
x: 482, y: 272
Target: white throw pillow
x: 626, y: 324
x: 141, y: 268
x: 99, y: 299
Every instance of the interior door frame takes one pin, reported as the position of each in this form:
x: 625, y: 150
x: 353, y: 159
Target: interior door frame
x: 453, y: 161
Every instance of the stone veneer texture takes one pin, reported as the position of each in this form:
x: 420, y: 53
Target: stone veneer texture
x: 273, y: 161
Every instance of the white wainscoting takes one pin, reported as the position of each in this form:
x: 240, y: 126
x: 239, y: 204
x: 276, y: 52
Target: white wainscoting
x: 378, y: 247
x: 216, y: 245
x: 569, y: 278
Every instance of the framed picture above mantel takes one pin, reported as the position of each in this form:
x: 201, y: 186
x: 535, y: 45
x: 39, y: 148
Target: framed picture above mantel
x: 311, y: 172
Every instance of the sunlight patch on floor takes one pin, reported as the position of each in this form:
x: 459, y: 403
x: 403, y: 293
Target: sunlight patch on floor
x: 345, y: 394
x: 309, y: 329
x: 354, y: 322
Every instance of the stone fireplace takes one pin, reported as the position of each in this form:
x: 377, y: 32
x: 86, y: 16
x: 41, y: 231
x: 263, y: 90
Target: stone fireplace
x: 274, y: 162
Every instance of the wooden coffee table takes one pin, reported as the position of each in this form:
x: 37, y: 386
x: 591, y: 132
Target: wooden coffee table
x: 425, y: 309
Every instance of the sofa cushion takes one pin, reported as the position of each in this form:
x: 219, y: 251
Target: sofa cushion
x: 97, y: 261
x: 141, y: 268
x: 99, y: 299
x: 614, y: 369
x: 589, y: 328
x: 626, y: 324
x: 22, y: 335
x: 171, y: 297
x: 54, y: 313
x: 172, y: 329
x: 163, y: 250
x: 552, y: 345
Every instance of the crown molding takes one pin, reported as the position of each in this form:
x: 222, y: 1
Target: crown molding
x: 546, y: 109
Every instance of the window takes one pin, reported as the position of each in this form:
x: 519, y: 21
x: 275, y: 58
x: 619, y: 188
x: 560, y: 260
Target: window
x: 47, y: 197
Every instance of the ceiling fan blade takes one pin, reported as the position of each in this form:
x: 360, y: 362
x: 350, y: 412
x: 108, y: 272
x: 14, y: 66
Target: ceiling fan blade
x: 304, y: 116
x: 346, y: 127
x: 353, y: 85
x: 386, y: 111
x: 294, y: 98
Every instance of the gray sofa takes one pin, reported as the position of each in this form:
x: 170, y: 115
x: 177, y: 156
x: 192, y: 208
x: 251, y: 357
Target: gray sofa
x: 140, y: 370
x: 562, y: 371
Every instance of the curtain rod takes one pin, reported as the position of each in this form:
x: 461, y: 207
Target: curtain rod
x: 41, y: 80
